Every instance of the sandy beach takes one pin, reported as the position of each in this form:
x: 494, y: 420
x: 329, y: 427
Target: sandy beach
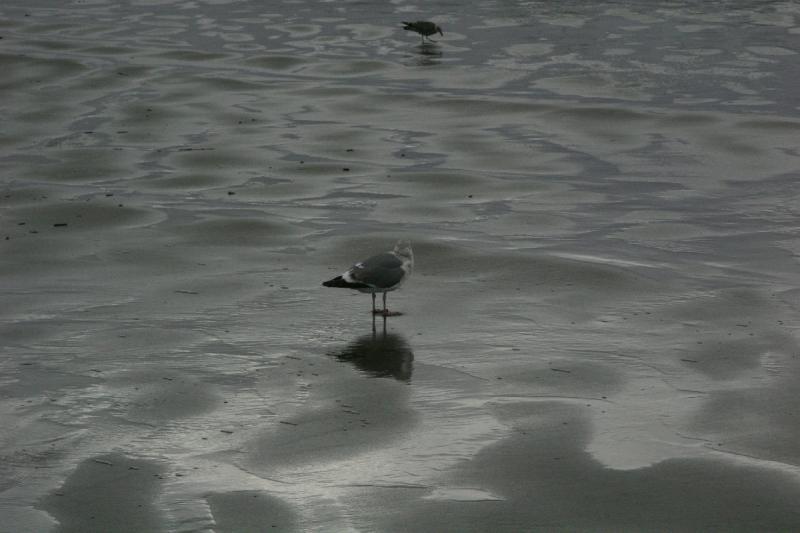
x: 600, y: 333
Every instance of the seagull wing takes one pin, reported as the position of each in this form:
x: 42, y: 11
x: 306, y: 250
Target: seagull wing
x: 381, y: 271
x: 422, y: 27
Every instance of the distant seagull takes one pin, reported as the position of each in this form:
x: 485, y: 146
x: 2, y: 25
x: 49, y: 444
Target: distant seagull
x: 424, y: 28
x: 380, y: 273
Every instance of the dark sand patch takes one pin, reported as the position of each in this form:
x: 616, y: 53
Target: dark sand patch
x: 272, y: 189
x: 163, y: 398
x: 110, y: 50
x: 191, y: 55
x: 102, y: 81
x: 84, y: 215
x: 17, y: 334
x: 312, y: 170
x: 149, y: 120
x: 238, y: 231
x: 561, y: 377
x: 20, y: 195
x: 601, y: 115
x: 278, y: 63
x: 51, y: 45
x: 189, y: 182
x: 439, y: 180
x: 232, y: 85
x: 26, y: 71
x: 297, y: 30
x: 351, y: 68
x: 441, y: 214
x: 110, y: 492
x: 758, y: 421
x: 250, y: 511
x: 655, y: 233
x: 791, y: 127
x: 725, y: 307
x: 465, y: 108
x: 143, y: 344
x: 523, y: 223
x: 37, y: 379
x: 81, y: 166
x: 220, y: 157
x: 545, y: 481
x: 732, y: 356
x: 351, y: 414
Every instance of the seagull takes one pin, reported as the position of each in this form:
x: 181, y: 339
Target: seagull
x: 424, y: 28
x: 380, y: 273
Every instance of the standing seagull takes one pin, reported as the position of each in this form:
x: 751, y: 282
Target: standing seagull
x: 424, y: 28
x: 380, y: 273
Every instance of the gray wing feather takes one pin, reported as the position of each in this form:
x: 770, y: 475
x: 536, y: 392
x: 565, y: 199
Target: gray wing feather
x: 380, y: 271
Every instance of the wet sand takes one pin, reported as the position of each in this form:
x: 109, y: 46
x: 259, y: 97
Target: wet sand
x: 600, y: 333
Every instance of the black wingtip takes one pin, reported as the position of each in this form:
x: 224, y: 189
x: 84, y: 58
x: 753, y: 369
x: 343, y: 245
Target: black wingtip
x: 335, y: 282
x: 340, y: 282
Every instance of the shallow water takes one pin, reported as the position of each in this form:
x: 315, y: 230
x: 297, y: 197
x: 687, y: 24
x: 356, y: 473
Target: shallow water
x: 600, y: 332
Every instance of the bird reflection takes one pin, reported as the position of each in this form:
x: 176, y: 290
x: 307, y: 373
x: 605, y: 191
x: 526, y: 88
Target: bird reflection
x: 429, y: 49
x: 379, y: 355
x: 429, y: 54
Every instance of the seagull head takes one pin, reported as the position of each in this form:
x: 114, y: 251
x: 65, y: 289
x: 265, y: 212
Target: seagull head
x: 403, y: 249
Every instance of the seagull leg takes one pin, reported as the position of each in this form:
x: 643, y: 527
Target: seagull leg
x: 373, y: 304
x: 386, y: 311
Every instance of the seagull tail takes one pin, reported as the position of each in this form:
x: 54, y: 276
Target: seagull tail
x: 339, y: 281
